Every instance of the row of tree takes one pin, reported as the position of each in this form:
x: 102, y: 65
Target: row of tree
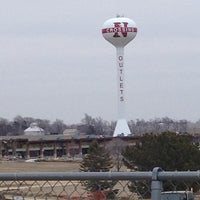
x: 170, y: 151
x: 19, y: 124
x: 98, y: 126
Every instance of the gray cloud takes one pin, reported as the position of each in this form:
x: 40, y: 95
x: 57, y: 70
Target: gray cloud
x: 55, y: 63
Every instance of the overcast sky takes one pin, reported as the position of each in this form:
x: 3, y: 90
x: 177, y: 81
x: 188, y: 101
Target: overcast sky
x: 55, y: 64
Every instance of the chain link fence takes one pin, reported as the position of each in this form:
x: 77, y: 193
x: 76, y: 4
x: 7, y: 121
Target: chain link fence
x: 108, y: 185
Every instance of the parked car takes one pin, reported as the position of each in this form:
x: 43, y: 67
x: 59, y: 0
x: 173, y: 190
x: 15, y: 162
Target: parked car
x: 177, y: 195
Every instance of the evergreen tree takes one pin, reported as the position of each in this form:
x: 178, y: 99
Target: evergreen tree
x: 168, y: 151
x: 98, y: 159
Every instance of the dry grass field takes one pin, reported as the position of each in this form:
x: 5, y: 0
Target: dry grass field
x: 52, y: 190
x: 42, y: 190
x: 19, y: 166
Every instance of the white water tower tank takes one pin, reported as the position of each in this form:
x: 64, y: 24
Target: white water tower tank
x: 119, y: 31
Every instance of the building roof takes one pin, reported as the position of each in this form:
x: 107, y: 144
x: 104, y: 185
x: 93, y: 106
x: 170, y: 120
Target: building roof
x: 34, y: 129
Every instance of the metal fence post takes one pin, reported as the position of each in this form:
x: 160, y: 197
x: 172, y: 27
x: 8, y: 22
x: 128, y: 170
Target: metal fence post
x: 156, y: 185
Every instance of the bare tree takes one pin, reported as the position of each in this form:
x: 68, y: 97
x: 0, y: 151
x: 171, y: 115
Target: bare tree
x: 4, y: 126
x: 58, y: 127
x: 115, y: 148
x: 97, y: 126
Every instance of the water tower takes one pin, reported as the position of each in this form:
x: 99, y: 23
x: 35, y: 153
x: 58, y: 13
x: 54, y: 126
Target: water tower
x: 119, y: 32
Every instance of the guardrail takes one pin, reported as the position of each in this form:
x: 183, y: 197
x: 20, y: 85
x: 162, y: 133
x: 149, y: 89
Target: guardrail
x: 73, y: 185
